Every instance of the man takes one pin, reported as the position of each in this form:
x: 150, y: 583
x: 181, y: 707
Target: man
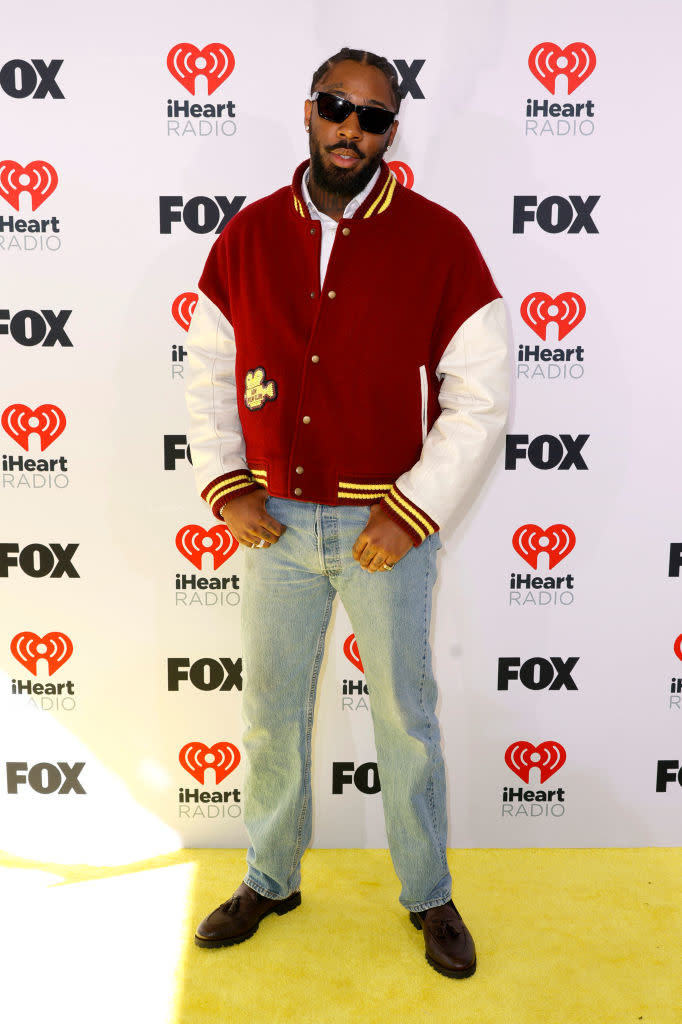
x: 309, y: 309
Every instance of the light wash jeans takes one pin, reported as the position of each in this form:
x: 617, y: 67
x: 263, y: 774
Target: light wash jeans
x: 287, y: 597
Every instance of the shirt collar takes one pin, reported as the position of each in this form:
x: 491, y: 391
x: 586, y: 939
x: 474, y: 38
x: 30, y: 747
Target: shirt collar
x: 352, y: 206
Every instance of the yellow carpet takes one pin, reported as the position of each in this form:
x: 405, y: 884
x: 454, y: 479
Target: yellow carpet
x: 563, y: 937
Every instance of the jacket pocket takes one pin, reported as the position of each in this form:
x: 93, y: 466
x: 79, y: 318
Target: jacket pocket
x: 424, y: 385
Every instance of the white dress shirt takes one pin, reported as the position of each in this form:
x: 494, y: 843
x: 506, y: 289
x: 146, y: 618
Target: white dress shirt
x: 328, y: 224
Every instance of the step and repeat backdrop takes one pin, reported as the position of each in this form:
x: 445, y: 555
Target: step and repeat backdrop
x: 558, y: 617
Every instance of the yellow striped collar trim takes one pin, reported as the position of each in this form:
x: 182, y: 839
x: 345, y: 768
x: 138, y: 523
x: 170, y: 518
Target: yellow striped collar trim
x: 387, y: 186
x: 378, y: 205
x: 391, y: 189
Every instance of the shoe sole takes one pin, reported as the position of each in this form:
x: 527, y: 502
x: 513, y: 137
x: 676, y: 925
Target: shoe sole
x: 290, y: 903
x: 449, y: 972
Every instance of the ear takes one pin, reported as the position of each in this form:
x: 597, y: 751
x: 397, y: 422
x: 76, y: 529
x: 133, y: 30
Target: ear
x: 307, y: 111
x: 392, y: 133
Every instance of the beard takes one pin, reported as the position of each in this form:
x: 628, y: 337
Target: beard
x: 341, y: 181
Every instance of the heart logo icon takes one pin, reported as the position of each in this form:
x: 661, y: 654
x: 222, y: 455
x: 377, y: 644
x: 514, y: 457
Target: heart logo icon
x: 530, y: 541
x: 47, y: 421
x: 548, y: 756
x: 547, y: 61
x: 350, y: 649
x: 186, y: 61
x: 28, y: 648
x: 196, y: 757
x: 38, y: 178
x: 194, y: 541
x: 566, y: 311
x: 183, y: 309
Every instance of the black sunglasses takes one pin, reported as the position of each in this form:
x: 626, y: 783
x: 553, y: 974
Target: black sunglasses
x: 375, y: 120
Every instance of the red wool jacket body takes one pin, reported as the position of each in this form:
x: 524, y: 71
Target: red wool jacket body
x: 385, y: 383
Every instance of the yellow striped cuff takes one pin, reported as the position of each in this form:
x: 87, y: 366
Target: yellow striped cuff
x: 224, y: 488
x: 418, y: 524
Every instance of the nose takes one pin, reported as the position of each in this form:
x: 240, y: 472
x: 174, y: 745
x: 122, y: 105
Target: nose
x: 350, y: 128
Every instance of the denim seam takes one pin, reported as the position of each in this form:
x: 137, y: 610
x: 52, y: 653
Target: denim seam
x: 308, y: 733
x: 430, y: 784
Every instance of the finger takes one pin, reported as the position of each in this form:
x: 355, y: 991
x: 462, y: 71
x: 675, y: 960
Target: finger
x: 369, y: 555
x: 375, y: 563
x: 253, y: 538
x: 359, y: 547
x: 273, y: 526
x: 264, y: 534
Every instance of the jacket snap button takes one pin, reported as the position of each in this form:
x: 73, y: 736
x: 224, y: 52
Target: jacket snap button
x: 299, y: 470
x: 306, y: 419
x: 345, y: 231
x: 332, y: 295
x: 314, y: 359
x: 298, y: 492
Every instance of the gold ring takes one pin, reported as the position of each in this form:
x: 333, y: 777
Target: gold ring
x: 388, y: 566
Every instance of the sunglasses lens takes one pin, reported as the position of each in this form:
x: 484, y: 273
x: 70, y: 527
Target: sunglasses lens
x: 333, y: 108
x: 374, y: 120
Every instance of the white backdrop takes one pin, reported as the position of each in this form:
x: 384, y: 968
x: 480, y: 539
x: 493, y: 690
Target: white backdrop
x: 91, y: 763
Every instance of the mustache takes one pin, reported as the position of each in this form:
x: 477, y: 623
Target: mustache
x: 348, y: 146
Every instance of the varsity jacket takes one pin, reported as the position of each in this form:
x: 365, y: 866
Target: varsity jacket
x: 387, y: 382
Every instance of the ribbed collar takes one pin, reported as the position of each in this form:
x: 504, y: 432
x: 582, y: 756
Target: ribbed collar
x: 377, y: 201
x: 352, y: 206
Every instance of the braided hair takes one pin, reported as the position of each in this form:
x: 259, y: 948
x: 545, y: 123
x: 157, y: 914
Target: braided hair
x: 361, y: 57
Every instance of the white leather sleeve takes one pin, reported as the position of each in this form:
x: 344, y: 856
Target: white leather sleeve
x: 474, y: 399
x: 215, y: 434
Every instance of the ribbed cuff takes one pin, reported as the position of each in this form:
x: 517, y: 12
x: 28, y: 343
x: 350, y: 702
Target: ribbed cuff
x: 225, y: 488
x: 408, y: 515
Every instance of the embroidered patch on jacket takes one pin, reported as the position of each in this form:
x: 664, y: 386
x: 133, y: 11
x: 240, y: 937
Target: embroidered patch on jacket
x: 258, y: 390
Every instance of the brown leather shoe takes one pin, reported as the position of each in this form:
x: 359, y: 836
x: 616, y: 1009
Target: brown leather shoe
x: 449, y: 946
x: 238, y: 919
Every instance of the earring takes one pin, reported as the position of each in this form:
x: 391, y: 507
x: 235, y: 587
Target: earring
x: 307, y: 127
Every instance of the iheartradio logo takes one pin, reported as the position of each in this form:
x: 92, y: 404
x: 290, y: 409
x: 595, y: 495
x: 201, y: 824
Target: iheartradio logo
x: 530, y: 541
x: 402, y: 172
x: 350, y: 649
x: 38, y: 178
x: 29, y: 648
x: 196, y: 757
x: 183, y: 309
x: 547, y: 61
x: 548, y: 756
x: 47, y: 421
x: 194, y: 541
x: 539, y: 310
x: 186, y: 61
